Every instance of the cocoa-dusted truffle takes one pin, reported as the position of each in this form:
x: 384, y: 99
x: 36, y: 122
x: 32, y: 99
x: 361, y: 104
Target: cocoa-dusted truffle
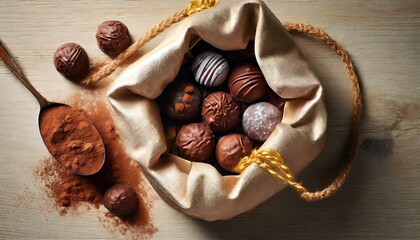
x: 113, y: 37
x: 260, y: 120
x: 221, y: 111
x: 231, y: 149
x: 121, y: 200
x: 72, y: 61
x: 247, y: 83
x: 196, y: 142
x: 181, y: 101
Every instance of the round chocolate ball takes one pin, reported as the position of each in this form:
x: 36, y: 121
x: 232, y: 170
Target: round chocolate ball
x: 121, y: 200
x: 181, y: 101
x: 221, y: 111
x: 195, y: 142
x: 113, y: 37
x: 210, y: 69
x: 260, y: 120
x: 72, y: 61
x: 247, y: 83
x: 231, y: 149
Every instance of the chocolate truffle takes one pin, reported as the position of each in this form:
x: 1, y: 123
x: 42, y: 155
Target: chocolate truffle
x: 121, y: 200
x: 247, y: 83
x: 221, y: 111
x: 210, y: 69
x: 113, y: 37
x: 181, y: 101
x: 231, y: 149
x: 72, y: 61
x: 196, y: 142
x: 260, y: 120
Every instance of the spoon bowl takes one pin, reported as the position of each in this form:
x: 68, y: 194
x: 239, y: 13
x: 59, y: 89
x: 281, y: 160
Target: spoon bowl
x: 63, y: 129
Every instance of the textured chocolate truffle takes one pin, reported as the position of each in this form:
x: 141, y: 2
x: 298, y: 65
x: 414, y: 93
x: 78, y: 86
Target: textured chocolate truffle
x: 196, y: 142
x: 210, y: 69
x: 72, y: 61
x: 221, y: 111
x: 260, y: 120
x: 121, y: 200
x: 113, y: 37
x: 181, y: 101
x: 247, y: 83
x: 231, y: 149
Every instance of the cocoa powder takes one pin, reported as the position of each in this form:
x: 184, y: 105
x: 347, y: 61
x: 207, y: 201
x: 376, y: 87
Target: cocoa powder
x: 72, y: 140
x: 69, y: 191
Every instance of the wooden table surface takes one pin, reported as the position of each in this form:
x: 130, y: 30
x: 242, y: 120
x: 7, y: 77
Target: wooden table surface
x: 381, y: 198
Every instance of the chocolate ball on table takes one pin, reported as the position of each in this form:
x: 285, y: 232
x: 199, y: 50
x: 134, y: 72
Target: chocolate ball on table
x: 247, y: 83
x: 260, y: 120
x: 121, y: 200
x: 113, y: 37
x: 210, y: 69
x: 195, y: 142
x: 72, y: 61
x: 221, y: 111
x: 231, y: 149
x: 181, y: 101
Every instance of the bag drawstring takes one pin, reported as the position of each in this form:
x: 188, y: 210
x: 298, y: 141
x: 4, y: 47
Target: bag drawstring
x: 270, y: 159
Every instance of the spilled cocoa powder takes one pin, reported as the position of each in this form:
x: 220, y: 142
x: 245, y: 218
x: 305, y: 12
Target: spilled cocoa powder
x: 70, y: 191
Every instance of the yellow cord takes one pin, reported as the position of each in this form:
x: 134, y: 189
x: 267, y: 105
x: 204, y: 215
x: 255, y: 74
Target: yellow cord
x: 272, y: 161
x: 200, y: 5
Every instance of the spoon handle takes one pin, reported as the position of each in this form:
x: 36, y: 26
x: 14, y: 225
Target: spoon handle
x: 10, y: 63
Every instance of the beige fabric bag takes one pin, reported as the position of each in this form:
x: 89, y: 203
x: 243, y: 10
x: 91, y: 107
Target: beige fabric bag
x: 198, y: 189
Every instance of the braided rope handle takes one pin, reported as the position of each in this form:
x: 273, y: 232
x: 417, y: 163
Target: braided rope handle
x: 273, y: 162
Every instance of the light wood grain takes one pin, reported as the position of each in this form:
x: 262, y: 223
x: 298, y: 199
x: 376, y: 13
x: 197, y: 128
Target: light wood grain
x: 381, y: 197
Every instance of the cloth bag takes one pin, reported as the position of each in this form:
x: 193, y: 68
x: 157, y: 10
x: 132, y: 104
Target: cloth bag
x: 195, y: 188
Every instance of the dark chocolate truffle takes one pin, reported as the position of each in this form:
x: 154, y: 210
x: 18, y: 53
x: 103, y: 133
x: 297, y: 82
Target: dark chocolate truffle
x: 121, y: 200
x: 221, y: 111
x: 247, y: 83
x: 231, y: 149
x: 72, y: 61
x: 210, y: 69
x: 181, y: 101
x: 196, y: 142
x: 260, y: 120
x: 113, y: 37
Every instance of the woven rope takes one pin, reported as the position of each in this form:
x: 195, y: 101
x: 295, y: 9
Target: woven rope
x: 273, y: 162
x: 194, y: 6
x: 356, y: 113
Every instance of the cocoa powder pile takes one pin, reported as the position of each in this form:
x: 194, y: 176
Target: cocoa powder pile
x: 69, y: 191
x: 72, y: 140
